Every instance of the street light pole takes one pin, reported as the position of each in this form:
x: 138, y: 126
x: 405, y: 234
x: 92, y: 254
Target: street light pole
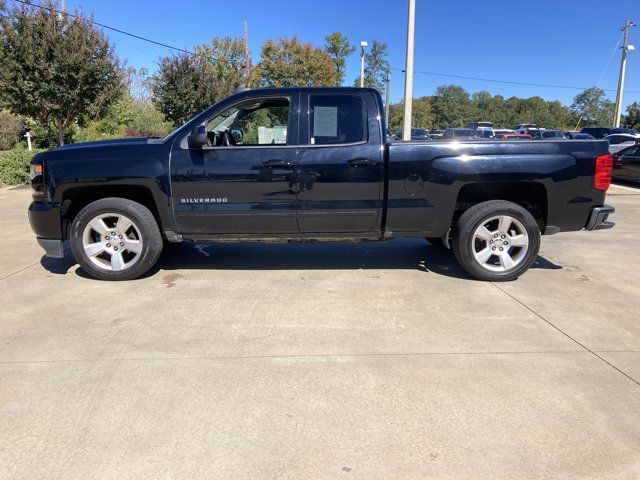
x: 408, y: 78
x: 623, y: 66
x: 363, y: 44
x: 388, y: 93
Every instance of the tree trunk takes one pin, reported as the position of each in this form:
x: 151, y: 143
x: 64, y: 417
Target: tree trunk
x: 60, y: 139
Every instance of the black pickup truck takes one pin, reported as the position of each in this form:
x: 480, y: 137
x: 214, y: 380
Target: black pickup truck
x: 313, y: 163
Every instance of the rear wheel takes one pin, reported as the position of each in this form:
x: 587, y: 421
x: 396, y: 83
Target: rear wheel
x: 115, y: 239
x: 496, y: 240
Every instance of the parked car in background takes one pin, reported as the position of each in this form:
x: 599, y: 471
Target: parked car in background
x: 417, y: 134
x: 460, y: 133
x: 544, y: 134
x: 436, y: 133
x: 486, y: 134
x: 483, y: 129
x: 500, y: 131
x: 480, y: 126
x: 523, y: 127
x: 601, y: 132
x: 626, y: 164
x: 513, y: 136
x: 574, y: 135
x: 620, y: 141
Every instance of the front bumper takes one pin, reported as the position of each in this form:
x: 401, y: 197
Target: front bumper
x: 599, y: 218
x: 46, y: 220
x: 46, y: 223
x: 52, y: 248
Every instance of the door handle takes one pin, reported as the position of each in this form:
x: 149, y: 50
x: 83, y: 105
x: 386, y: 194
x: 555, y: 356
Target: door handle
x: 277, y: 164
x: 362, y: 162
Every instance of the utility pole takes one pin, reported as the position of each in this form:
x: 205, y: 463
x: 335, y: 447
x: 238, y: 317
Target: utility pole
x: 387, y: 90
x: 408, y: 76
x: 247, y: 59
x: 363, y: 45
x: 623, y: 66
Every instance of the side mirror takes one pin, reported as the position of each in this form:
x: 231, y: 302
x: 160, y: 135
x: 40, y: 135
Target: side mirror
x: 237, y: 135
x: 198, y: 137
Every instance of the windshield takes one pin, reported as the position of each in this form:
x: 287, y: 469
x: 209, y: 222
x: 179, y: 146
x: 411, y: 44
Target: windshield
x: 222, y: 122
x: 418, y: 132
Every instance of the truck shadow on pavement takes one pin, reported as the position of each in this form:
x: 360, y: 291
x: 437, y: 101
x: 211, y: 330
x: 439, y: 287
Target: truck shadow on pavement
x: 406, y: 254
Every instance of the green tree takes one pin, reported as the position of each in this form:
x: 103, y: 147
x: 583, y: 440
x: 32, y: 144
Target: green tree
x: 421, y: 115
x: 11, y: 127
x: 632, y: 118
x: 226, y: 60
x: 184, y: 85
x: 451, y: 107
x: 55, y: 68
x: 375, y: 67
x: 593, y: 106
x: 339, y: 48
x: 288, y: 63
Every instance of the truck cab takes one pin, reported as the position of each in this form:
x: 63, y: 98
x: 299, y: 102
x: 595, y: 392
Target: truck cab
x: 282, y: 161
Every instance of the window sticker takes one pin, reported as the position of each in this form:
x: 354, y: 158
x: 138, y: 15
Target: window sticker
x: 325, y: 122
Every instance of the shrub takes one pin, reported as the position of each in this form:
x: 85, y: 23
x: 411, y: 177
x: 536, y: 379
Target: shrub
x: 14, y: 166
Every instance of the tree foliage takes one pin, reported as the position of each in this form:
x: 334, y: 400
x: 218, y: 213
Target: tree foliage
x: 287, y: 62
x: 632, y: 118
x: 11, y: 127
x: 375, y: 67
x: 184, y: 84
x: 453, y: 106
x: 339, y: 48
x: 593, y: 106
x: 55, y: 68
x: 421, y: 114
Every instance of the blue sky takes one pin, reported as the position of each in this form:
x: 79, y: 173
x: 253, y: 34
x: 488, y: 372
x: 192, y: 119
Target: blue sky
x: 561, y: 42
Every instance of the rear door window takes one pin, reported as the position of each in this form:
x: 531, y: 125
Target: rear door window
x: 336, y: 119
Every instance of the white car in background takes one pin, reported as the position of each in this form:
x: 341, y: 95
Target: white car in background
x: 502, y: 131
x: 619, y: 141
x: 523, y: 127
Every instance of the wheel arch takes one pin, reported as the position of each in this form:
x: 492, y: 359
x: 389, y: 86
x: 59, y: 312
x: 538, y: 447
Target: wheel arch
x: 74, y: 199
x: 530, y: 195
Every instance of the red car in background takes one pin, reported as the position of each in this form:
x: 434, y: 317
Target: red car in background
x: 514, y: 136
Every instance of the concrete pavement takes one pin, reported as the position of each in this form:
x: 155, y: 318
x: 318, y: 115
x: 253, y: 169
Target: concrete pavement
x: 374, y: 360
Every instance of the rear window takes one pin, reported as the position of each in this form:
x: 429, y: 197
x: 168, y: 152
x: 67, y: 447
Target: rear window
x: 336, y: 119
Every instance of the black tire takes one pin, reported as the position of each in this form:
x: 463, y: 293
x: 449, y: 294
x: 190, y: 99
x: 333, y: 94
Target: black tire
x: 464, y: 239
x: 145, y: 226
x: 437, y: 242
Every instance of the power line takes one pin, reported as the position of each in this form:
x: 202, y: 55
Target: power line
x: 493, y: 80
x: 437, y: 74
x: 42, y: 7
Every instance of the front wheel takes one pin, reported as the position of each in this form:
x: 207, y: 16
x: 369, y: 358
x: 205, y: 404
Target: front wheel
x: 115, y: 239
x: 496, y: 240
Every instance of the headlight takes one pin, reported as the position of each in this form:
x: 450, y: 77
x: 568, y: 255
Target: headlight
x: 35, y: 169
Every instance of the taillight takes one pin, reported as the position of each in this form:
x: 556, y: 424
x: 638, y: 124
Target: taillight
x: 604, y: 166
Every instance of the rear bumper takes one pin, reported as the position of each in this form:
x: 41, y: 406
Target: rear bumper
x: 599, y: 218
